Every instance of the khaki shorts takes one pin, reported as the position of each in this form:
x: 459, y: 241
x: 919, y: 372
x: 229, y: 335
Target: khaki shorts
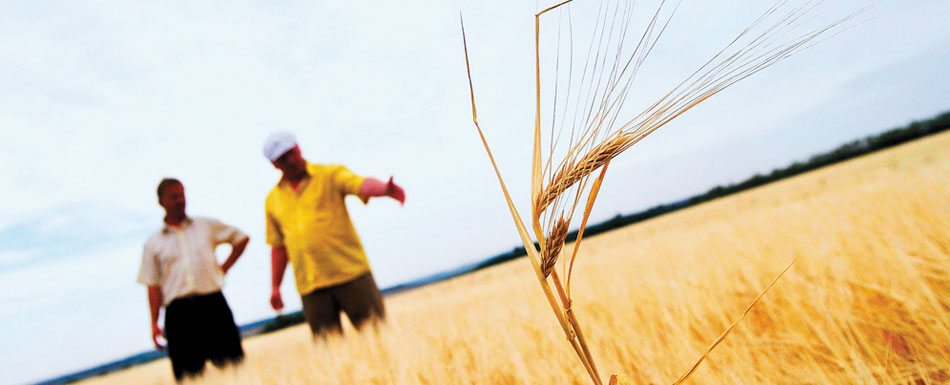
x: 360, y: 299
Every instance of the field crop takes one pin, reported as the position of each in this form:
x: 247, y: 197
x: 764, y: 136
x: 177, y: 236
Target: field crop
x: 867, y: 302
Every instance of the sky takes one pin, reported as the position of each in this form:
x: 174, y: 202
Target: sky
x: 100, y: 100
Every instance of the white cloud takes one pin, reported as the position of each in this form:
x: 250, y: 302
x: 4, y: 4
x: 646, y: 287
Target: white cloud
x: 8, y: 257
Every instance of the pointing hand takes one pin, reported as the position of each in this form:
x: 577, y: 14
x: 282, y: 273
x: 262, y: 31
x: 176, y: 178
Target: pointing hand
x: 394, y: 191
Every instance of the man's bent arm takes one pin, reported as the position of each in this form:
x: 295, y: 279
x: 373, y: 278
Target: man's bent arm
x: 155, y: 300
x: 236, y: 250
x: 278, y: 262
x: 373, y: 187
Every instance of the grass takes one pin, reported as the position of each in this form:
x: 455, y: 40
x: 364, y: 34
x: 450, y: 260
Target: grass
x: 868, y: 301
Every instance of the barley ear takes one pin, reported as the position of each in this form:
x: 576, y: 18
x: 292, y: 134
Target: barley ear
x: 552, y: 246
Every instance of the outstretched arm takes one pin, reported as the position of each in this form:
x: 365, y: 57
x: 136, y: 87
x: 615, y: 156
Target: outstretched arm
x: 236, y: 250
x: 155, y: 306
x: 278, y: 260
x: 373, y: 187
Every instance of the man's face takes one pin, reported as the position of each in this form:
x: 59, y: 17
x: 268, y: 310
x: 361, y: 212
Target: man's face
x: 173, y: 199
x: 291, y: 163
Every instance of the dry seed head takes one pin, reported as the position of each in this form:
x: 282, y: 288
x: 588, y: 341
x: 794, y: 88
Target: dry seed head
x: 552, y: 246
x: 571, y: 173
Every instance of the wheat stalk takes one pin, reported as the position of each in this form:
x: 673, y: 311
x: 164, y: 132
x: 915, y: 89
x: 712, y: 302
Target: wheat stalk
x: 597, y: 134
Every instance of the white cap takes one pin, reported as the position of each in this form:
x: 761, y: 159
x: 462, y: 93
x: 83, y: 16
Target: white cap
x: 278, y: 144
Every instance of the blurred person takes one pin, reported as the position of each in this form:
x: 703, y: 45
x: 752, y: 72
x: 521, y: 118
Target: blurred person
x: 308, y: 225
x: 181, y: 271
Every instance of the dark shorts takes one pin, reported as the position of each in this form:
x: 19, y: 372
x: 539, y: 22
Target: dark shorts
x: 201, y: 328
x: 360, y: 299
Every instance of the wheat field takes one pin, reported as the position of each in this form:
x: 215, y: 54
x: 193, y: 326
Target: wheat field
x: 867, y: 302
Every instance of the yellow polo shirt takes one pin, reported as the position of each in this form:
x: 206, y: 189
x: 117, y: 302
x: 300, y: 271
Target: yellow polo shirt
x: 312, y: 223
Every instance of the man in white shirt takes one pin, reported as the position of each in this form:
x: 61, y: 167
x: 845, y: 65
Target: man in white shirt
x: 182, y: 274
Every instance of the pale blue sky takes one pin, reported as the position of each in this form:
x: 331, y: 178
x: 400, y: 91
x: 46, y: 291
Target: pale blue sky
x: 100, y: 100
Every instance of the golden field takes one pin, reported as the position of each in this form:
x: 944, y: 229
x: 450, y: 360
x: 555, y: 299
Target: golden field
x: 867, y: 302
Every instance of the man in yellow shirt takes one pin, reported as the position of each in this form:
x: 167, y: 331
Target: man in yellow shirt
x: 308, y: 225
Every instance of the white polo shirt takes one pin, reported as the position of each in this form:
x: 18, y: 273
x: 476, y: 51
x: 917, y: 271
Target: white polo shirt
x: 182, y: 261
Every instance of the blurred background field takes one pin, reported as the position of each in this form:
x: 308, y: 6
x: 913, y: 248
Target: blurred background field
x: 868, y: 301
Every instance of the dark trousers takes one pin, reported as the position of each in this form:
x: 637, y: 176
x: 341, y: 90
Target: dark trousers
x: 200, y: 328
x: 360, y: 299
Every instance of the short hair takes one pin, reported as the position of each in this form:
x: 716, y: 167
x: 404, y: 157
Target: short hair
x: 166, y: 183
